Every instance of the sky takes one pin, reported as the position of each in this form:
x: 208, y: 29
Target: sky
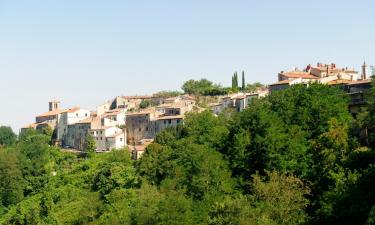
x: 84, y: 52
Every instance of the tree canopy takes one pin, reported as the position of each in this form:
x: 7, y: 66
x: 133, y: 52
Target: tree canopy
x: 293, y: 157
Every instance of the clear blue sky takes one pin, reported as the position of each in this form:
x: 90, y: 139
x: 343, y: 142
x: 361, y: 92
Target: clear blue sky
x: 85, y: 52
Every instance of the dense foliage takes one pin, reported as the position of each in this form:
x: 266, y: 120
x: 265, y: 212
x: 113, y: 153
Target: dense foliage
x: 204, y: 87
x: 294, y: 157
x: 7, y: 136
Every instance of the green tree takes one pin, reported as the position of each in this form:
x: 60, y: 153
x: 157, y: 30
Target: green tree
x: 253, y: 87
x: 90, y: 144
x: 197, y: 86
x: 156, y: 163
x: 11, y: 179
x: 7, y: 136
x: 144, y: 104
x: 279, y: 198
x: 235, y: 82
x: 243, y: 81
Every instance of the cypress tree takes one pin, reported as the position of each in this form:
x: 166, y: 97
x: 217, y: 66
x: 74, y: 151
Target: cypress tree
x: 233, y: 81
x: 236, y: 80
x: 243, y: 80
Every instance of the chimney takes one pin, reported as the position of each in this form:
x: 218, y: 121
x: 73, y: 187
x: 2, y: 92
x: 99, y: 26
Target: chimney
x: 53, y: 105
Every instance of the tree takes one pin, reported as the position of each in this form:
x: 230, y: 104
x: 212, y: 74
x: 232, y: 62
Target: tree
x: 243, y: 81
x: 156, y: 163
x: 90, y: 144
x: 197, y: 86
x: 144, y: 104
x: 280, y: 198
x: 7, y: 136
x: 235, y: 82
x: 253, y: 87
x: 11, y: 180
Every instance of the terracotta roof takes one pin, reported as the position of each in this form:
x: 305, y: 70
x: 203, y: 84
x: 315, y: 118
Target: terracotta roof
x: 74, y: 109
x: 171, y: 117
x: 332, y: 82
x: 33, y: 125
x: 136, y: 97
x: 281, y: 82
x: 101, y: 127
x: 52, y: 113
x: 360, y: 82
x: 298, y: 74
x: 88, y: 120
x: 113, y: 112
x: 144, y: 112
x: 239, y: 97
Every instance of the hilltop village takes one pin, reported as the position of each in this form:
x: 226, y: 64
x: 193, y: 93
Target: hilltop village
x: 134, y: 121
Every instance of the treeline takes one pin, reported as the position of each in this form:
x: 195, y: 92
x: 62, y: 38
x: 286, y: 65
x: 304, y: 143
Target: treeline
x: 294, y: 157
x: 208, y: 88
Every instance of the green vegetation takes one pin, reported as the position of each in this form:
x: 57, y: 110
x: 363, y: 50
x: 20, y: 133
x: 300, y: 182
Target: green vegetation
x: 204, y: 87
x: 294, y: 157
x: 145, y: 104
x: 253, y: 87
x: 166, y: 94
x: 243, y: 81
x: 7, y: 137
x: 90, y: 145
x: 235, y: 82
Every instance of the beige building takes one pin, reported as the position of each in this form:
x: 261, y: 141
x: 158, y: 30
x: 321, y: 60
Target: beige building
x: 128, y: 102
x: 321, y: 73
x: 140, y: 125
x: 47, y: 119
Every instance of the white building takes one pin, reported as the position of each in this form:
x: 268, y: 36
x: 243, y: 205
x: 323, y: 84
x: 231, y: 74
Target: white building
x: 108, y: 137
x: 70, y: 117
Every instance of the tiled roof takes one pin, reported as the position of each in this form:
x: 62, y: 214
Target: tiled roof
x: 33, y: 125
x: 88, y: 120
x: 52, y: 113
x: 298, y: 74
x: 360, y: 82
x: 171, y: 117
x: 281, y: 82
x: 144, y: 112
x: 73, y: 110
x: 136, y: 97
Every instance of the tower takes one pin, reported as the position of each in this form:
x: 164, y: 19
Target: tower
x: 53, y: 105
x: 364, y: 68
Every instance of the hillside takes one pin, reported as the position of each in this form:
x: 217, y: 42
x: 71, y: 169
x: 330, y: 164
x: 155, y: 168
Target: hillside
x: 296, y: 156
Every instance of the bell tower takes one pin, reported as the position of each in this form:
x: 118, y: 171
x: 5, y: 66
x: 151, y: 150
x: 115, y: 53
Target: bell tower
x: 53, y: 105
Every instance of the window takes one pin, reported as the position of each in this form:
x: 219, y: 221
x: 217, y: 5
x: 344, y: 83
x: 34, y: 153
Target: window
x: 121, y: 139
x: 146, y: 128
x: 77, y: 114
x: 101, y: 138
x: 85, y: 114
x: 139, y: 129
x: 169, y: 121
x: 165, y: 122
